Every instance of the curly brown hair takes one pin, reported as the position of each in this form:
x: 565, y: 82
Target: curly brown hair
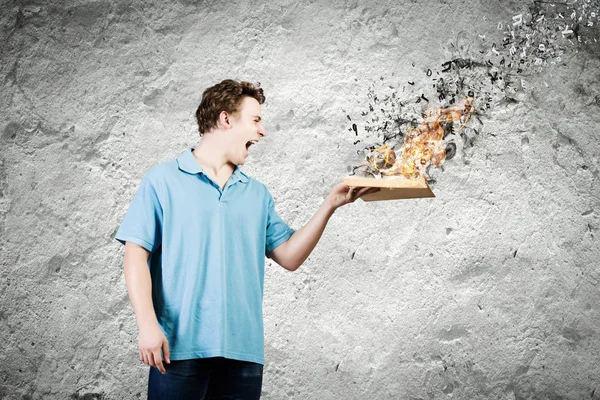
x: 224, y: 96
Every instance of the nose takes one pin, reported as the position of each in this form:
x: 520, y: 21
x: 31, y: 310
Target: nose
x: 261, y: 130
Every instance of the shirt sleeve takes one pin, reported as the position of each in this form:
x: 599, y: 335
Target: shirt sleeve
x: 142, y: 223
x: 278, y: 231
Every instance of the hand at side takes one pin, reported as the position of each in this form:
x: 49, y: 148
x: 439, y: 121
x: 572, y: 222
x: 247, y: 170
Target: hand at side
x: 139, y: 286
x: 151, y: 341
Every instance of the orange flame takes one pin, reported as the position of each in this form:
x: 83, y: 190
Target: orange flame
x: 382, y: 158
x: 422, y: 145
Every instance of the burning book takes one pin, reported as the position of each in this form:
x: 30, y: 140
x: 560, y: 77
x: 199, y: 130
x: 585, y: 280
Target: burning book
x: 402, y: 177
x: 391, y: 187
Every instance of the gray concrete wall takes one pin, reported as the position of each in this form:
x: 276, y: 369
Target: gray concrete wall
x: 488, y: 291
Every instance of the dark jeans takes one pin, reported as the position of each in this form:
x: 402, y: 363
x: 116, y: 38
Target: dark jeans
x: 206, y: 378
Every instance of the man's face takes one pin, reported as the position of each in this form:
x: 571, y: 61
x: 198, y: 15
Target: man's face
x: 247, y: 129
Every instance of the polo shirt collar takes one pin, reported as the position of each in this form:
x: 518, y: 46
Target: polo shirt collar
x: 188, y: 163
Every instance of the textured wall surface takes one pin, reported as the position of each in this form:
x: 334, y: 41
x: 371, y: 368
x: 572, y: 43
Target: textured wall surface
x: 488, y: 291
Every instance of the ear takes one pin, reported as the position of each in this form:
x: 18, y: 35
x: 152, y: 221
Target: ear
x: 224, y: 120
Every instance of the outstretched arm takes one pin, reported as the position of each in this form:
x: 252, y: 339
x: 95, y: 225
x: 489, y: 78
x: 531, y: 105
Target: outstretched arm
x: 291, y: 254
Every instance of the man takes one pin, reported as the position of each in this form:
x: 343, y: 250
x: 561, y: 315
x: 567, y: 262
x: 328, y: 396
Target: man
x: 195, y: 237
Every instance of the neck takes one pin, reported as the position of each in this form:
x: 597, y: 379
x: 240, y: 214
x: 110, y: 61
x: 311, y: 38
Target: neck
x: 210, y: 154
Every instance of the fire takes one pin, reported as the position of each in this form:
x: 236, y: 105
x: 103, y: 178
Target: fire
x: 382, y: 158
x: 424, y: 144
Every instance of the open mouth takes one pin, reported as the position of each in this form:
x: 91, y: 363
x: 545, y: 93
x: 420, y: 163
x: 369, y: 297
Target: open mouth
x: 250, y: 143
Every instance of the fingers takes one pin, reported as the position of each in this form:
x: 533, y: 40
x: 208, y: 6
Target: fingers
x: 364, y: 191
x: 146, y: 358
x: 154, y: 359
x: 349, y: 194
x: 368, y: 191
x: 166, y: 353
x: 355, y: 193
x: 158, y: 361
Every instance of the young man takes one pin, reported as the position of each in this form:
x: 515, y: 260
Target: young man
x: 195, y: 236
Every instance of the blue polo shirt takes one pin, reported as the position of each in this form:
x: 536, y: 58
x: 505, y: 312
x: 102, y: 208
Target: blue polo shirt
x: 207, y: 258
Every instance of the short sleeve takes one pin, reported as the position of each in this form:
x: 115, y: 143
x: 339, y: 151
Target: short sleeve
x: 278, y: 231
x: 143, y: 221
